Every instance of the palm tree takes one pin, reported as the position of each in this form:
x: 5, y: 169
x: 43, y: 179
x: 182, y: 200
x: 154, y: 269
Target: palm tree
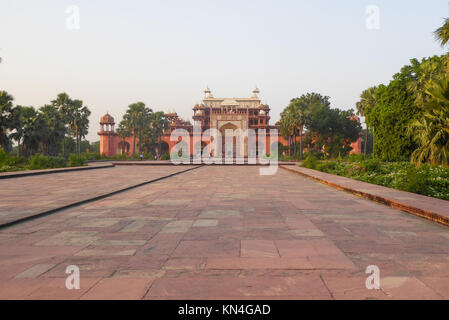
x: 424, y: 72
x: 17, y: 126
x: 442, y: 36
x: 136, y: 117
x: 366, y: 103
x: 54, y: 129
x: 442, y: 33
x: 64, y: 104
x: 431, y: 132
x: 79, y: 122
x: 287, y: 127
x: 123, y: 132
x: 299, y: 111
x: 32, y: 131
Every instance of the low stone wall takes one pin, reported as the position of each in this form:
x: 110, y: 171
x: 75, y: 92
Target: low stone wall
x: 433, y: 209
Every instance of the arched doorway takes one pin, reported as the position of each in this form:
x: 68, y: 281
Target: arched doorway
x: 229, y: 129
x: 124, y: 147
x: 165, y: 148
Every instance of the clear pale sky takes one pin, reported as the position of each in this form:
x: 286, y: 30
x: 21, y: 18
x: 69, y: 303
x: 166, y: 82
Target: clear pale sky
x: 164, y: 53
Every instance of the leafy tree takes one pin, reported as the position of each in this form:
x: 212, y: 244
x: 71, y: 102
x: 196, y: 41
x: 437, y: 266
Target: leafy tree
x: 431, y: 131
x: 396, y: 106
x: 333, y: 130
x: 6, y: 105
x: 123, y: 131
x: 64, y: 105
x: 16, y: 124
x: 136, y: 118
x: 33, y: 127
x: 53, y: 134
x: 158, y: 125
x: 78, y: 120
x: 294, y: 118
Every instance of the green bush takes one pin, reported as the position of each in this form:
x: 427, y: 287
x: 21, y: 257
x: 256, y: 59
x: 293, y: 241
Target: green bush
x: 76, y: 161
x: 310, y: 162
x: 417, y: 180
x: 425, y: 180
x: 39, y: 161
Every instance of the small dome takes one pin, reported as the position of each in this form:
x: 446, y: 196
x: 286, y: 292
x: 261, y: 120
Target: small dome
x: 107, y: 119
x: 255, y: 93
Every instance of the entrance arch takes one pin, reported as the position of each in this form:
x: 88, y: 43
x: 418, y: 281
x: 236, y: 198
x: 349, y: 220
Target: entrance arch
x: 233, y: 151
x: 165, y: 148
x: 124, y: 147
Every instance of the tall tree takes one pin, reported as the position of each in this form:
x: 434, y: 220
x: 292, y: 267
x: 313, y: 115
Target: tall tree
x: 33, y: 127
x: 78, y: 119
x: 64, y: 104
x: 158, y: 125
x: 366, y: 103
x: 6, y: 105
x: 53, y: 136
x: 16, y: 125
x: 123, y: 132
x: 136, y: 117
x: 431, y: 131
x: 442, y: 36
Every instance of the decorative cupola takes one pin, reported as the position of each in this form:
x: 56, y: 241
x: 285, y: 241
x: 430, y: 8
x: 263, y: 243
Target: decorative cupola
x: 256, y: 91
x: 107, y: 123
x: 208, y: 93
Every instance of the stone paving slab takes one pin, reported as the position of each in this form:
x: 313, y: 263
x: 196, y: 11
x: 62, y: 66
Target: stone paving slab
x: 211, y: 234
x: 31, y: 195
x: 430, y: 208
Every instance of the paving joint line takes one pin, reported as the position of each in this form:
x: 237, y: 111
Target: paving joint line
x: 22, y: 174
x: 82, y: 202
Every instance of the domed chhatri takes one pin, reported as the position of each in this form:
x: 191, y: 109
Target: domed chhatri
x: 208, y: 93
x: 256, y: 91
x: 107, y: 119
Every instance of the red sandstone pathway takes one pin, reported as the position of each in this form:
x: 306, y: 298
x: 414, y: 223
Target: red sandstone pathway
x: 27, y: 196
x: 226, y: 232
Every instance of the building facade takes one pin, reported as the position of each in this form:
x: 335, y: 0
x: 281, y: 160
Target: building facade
x: 217, y: 120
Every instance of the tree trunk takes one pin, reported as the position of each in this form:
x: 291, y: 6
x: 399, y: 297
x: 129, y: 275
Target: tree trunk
x: 294, y: 143
x: 366, y: 139
x: 301, y: 129
x: 134, y: 143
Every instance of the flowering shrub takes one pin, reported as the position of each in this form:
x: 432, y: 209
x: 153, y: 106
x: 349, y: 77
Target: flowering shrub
x: 426, y: 180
